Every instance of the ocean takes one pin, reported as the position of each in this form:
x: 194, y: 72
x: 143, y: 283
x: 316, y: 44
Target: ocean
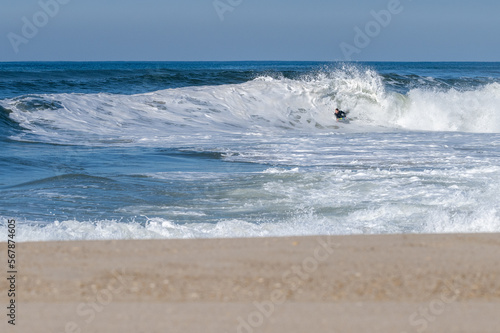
x: 132, y: 150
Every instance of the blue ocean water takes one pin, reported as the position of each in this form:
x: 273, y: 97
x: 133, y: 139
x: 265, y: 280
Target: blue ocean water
x: 247, y: 149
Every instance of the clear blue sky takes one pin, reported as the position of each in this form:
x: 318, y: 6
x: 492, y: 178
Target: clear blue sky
x: 157, y: 30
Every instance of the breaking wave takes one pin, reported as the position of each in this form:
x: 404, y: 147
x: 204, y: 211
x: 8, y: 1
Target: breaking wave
x: 265, y: 105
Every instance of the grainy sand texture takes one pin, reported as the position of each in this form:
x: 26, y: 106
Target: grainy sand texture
x: 387, y: 283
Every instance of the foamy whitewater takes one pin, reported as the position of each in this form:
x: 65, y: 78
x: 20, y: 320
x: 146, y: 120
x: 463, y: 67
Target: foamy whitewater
x: 197, y: 150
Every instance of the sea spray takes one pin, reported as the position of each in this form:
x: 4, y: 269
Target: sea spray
x: 94, y: 151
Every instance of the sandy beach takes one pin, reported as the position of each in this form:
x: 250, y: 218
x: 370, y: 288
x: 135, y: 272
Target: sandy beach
x: 388, y: 283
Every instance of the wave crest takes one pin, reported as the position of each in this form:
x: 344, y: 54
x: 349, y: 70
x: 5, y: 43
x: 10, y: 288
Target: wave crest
x: 266, y: 104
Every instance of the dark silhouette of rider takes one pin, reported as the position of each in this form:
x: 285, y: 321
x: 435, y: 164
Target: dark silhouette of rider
x: 340, y: 114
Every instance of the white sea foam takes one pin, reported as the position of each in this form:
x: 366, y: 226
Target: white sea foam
x: 263, y: 106
x: 280, y: 203
x: 404, y: 164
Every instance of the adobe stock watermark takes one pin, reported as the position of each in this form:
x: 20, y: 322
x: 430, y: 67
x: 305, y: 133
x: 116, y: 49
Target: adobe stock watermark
x: 88, y: 311
x: 31, y: 26
x: 363, y: 37
x: 293, y: 278
x: 224, y: 6
x: 421, y: 319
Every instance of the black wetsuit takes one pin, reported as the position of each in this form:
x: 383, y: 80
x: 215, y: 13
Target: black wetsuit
x: 340, y: 114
